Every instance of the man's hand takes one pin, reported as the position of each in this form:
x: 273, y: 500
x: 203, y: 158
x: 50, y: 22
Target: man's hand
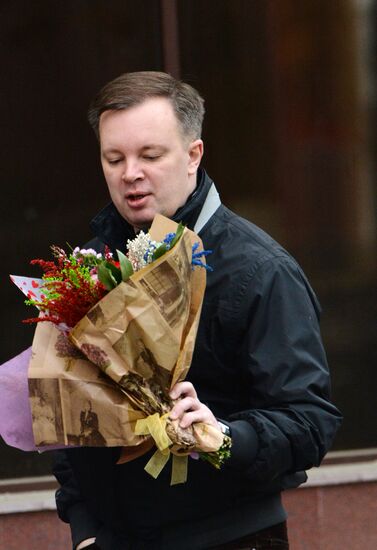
x: 188, y: 409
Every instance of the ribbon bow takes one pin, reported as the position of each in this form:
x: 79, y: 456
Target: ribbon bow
x: 155, y: 425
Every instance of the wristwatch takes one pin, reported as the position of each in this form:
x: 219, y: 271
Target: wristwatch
x: 225, y: 429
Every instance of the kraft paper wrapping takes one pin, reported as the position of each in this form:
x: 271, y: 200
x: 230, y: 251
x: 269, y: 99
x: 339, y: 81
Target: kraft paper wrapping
x: 127, y: 353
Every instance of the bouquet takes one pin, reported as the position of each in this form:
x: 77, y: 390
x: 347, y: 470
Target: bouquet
x: 113, y: 337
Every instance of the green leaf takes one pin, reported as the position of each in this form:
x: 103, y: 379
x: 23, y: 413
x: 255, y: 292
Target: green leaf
x: 160, y: 251
x: 115, y: 271
x: 106, y: 277
x: 178, y: 234
x: 125, y: 266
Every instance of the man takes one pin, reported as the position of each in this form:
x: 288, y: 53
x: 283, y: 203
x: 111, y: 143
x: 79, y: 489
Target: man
x: 89, y: 428
x: 259, y: 365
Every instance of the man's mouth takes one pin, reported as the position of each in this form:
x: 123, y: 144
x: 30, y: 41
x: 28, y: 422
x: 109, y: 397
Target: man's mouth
x: 136, y: 200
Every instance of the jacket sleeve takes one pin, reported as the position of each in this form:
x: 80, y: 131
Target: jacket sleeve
x: 290, y: 422
x: 70, y: 505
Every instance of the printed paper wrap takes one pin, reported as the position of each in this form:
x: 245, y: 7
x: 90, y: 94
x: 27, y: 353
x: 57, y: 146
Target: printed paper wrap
x: 128, y: 351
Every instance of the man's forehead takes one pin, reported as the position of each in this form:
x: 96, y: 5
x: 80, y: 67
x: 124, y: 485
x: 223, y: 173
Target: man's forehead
x: 148, y: 124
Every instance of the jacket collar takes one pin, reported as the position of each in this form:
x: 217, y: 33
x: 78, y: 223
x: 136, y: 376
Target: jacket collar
x: 112, y: 229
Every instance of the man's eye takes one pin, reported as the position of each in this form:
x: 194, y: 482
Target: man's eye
x: 151, y: 157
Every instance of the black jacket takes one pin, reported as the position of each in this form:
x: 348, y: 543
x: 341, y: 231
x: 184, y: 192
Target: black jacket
x: 259, y: 364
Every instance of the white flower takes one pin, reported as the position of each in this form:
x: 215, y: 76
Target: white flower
x: 82, y: 252
x: 140, y: 250
x: 88, y: 252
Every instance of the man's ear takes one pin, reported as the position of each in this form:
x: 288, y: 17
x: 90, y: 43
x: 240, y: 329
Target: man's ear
x: 195, y: 151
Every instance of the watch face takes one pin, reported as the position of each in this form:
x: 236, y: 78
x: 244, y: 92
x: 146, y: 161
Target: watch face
x: 224, y: 429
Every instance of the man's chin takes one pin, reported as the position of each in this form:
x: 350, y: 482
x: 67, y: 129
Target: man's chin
x: 140, y: 222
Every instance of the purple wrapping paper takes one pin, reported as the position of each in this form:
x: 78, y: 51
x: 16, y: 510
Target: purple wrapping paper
x: 15, y: 415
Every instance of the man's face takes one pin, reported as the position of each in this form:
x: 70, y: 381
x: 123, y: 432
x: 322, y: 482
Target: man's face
x: 148, y: 166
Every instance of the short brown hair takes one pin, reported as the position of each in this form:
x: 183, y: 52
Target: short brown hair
x: 133, y: 88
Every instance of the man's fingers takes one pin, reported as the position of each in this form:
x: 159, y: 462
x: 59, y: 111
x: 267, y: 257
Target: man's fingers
x: 183, y: 405
x: 200, y: 415
x: 183, y: 388
x: 188, y: 408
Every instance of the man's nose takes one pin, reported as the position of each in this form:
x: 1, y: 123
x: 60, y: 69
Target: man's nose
x: 132, y: 171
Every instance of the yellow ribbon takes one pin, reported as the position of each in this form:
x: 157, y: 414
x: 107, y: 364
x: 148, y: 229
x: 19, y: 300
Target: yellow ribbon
x: 155, y: 425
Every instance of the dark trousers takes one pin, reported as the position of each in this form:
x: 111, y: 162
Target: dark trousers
x: 272, y: 538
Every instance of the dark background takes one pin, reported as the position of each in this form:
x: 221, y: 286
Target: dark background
x: 289, y: 140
